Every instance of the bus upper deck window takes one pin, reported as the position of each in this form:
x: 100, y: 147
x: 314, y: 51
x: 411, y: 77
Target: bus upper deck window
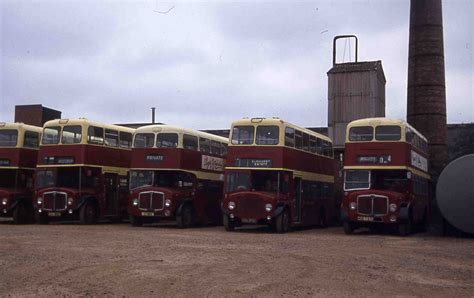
x: 111, y: 138
x: 125, y: 139
x: 388, y: 133
x: 204, y: 145
x: 290, y: 137
x: 190, y: 142
x: 144, y: 140
x: 267, y: 135
x: 51, y: 135
x: 361, y: 133
x: 95, y: 135
x: 242, y: 135
x: 31, y: 139
x: 8, y: 137
x: 72, y: 134
x: 167, y: 140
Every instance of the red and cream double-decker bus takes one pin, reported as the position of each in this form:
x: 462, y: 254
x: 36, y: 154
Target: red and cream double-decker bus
x: 277, y: 174
x: 176, y: 173
x: 386, y: 180
x: 18, y: 152
x: 82, y: 171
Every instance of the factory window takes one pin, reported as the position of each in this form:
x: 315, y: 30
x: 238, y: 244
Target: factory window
x: 242, y: 135
x: 361, y: 133
x: 144, y: 140
x: 388, y: 133
x: 267, y: 135
x: 167, y: 140
x: 72, y: 134
x: 290, y: 137
x: 190, y: 142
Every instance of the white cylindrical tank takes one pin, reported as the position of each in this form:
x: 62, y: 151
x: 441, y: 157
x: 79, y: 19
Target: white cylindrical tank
x: 455, y: 193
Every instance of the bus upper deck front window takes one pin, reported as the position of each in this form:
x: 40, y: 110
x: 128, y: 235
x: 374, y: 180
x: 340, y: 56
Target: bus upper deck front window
x: 242, y: 135
x: 167, y: 140
x: 72, y: 134
x: 144, y: 140
x: 8, y: 137
x: 267, y: 135
x: 361, y: 133
x: 51, y: 135
x: 357, y: 179
x: 388, y: 133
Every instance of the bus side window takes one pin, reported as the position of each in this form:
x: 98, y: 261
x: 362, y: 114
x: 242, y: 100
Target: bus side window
x: 204, y: 145
x: 306, y: 142
x: 111, y: 138
x: 290, y: 137
x: 223, y: 149
x: 31, y: 139
x: 312, y: 144
x: 190, y: 142
x: 298, y: 139
x: 125, y: 139
x: 319, y: 146
x: 95, y: 135
x: 215, y: 148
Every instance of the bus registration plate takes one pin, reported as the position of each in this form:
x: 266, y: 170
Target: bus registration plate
x: 148, y: 214
x: 365, y: 218
x: 54, y: 214
x: 249, y: 220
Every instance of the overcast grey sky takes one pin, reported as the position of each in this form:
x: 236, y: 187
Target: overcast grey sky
x: 205, y: 64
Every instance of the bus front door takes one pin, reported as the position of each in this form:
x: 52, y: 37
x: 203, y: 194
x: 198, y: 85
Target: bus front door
x: 112, y: 202
x: 297, y: 185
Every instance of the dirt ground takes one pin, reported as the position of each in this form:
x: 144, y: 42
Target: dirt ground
x: 161, y: 260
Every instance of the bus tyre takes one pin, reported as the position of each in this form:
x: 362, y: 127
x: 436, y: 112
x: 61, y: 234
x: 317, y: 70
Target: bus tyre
x: 228, y: 224
x: 41, y: 218
x: 348, y: 228
x: 136, y: 221
x: 282, y: 224
x: 186, y: 218
x: 88, y: 214
x: 19, y: 214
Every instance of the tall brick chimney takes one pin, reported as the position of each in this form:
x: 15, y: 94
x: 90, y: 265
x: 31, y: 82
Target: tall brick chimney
x: 426, y: 106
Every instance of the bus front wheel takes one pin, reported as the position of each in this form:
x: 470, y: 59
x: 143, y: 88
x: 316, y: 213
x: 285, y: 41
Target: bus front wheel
x: 282, y: 224
x: 186, y: 218
x: 348, y: 228
x: 136, y: 221
x: 228, y: 224
x: 88, y: 214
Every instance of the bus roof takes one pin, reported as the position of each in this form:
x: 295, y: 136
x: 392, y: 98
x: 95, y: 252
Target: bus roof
x: 382, y: 121
x: 279, y: 122
x: 179, y: 130
x: 20, y: 126
x: 84, y: 121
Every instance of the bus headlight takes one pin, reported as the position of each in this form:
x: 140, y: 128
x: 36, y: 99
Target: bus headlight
x: 70, y: 201
x: 353, y: 205
x: 393, y: 207
x: 268, y: 207
x: 4, y: 201
x: 135, y: 202
x: 167, y: 203
x: 231, y: 205
x: 39, y: 201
